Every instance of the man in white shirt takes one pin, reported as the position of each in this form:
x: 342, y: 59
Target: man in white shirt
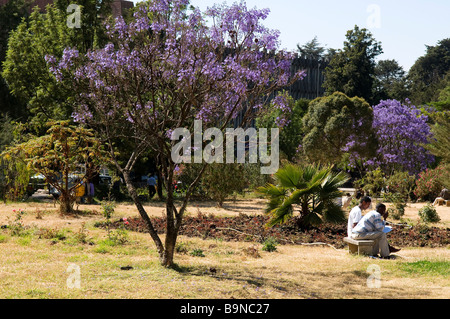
x: 355, y: 214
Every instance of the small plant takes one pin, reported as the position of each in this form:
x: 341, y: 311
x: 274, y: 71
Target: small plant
x: 428, y: 214
x: 270, y: 244
x: 182, y: 247
x: 117, y: 237
x: 399, y: 202
x: 16, y: 227
x: 197, y: 253
x: 108, y: 208
x: 81, y: 236
x: 52, y: 233
x: 3, y: 239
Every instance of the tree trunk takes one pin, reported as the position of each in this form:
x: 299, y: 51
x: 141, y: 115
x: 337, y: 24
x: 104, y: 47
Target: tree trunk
x: 66, y: 204
x: 144, y: 216
x: 172, y: 220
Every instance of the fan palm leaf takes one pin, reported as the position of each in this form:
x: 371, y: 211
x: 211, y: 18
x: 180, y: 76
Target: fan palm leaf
x: 310, y: 188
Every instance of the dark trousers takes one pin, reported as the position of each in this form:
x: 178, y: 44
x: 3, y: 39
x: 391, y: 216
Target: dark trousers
x: 151, y: 191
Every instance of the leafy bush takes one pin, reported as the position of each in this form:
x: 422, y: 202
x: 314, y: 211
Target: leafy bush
x: 399, y: 202
x: 270, y: 244
x: 373, y: 182
x: 197, y: 253
x: 429, y: 214
x: 428, y: 185
x: 402, y: 183
x: 222, y: 180
x: 117, y: 237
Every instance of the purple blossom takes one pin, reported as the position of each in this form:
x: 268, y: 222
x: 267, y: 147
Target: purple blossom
x: 174, y: 66
x: 402, y: 130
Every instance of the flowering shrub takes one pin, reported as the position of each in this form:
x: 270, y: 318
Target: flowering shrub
x: 428, y: 185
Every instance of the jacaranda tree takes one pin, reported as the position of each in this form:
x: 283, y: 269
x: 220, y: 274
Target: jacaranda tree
x: 402, y: 131
x: 169, y: 65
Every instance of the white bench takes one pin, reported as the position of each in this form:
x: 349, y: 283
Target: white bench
x: 360, y: 247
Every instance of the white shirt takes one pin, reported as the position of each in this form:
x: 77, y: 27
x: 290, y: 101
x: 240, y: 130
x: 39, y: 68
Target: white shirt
x: 354, y: 216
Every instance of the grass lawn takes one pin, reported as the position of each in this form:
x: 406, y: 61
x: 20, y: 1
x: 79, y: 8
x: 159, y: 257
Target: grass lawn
x: 41, y: 261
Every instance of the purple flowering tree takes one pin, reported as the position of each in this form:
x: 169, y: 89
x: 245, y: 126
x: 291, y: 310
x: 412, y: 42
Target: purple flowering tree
x: 165, y: 68
x: 402, y: 130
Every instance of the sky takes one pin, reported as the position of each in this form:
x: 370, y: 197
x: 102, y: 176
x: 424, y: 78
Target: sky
x: 403, y: 27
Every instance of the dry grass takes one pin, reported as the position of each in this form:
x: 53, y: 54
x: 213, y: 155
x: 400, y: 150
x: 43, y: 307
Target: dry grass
x: 38, y: 268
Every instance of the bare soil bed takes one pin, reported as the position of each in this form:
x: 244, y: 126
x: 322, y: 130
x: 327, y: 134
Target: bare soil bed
x: 245, y: 227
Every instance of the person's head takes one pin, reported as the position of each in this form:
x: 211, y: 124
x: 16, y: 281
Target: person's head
x: 365, y: 202
x: 381, y: 208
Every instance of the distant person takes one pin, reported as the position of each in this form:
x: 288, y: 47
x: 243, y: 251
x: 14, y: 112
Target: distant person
x: 79, y: 191
x: 371, y: 226
x: 151, y: 183
x: 347, y: 200
x: 90, y: 191
x: 355, y: 214
x: 443, y: 196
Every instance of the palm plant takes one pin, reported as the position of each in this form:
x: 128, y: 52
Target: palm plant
x: 311, y: 189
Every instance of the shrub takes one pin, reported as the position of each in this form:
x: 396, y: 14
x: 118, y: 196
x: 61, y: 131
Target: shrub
x: 3, y: 239
x: 222, y: 180
x: 373, y: 182
x: 270, y: 244
x: 399, y: 201
x: 197, y: 253
x: 402, y: 183
x: 428, y: 185
x: 429, y: 214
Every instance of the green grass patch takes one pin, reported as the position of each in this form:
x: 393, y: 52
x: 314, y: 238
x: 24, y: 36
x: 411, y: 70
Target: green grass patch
x: 427, y: 267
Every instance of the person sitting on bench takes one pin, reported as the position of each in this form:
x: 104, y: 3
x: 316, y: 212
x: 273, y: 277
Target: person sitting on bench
x: 355, y: 214
x: 371, y: 226
x: 443, y: 196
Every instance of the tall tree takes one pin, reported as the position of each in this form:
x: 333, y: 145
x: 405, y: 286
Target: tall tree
x: 25, y: 68
x: 11, y: 14
x: 439, y: 142
x: 428, y: 72
x: 352, y: 69
x: 390, y: 81
x: 311, y: 49
x: 336, y: 125
x: 63, y: 151
x: 160, y: 73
